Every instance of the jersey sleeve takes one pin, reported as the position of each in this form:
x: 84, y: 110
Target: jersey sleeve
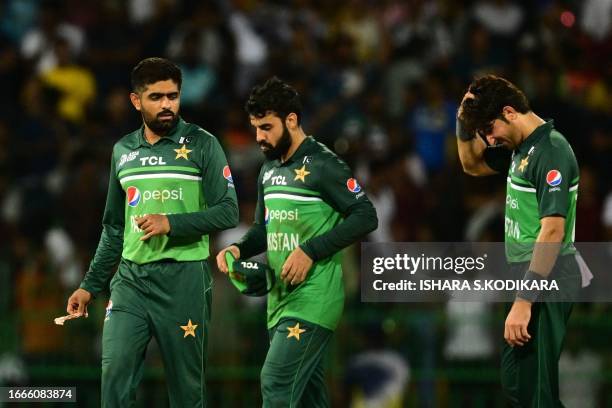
x: 554, y: 175
x: 497, y: 158
x: 254, y: 241
x: 110, y: 246
x: 340, y: 190
x: 221, y: 210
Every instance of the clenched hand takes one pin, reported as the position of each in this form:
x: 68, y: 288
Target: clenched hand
x: 153, y: 224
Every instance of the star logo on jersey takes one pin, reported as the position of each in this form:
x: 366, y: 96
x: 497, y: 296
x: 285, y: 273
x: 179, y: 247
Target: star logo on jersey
x: 189, y: 329
x: 300, y: 174
x: 295, y: 331
x: 183, y: 152
x: 524, y: 163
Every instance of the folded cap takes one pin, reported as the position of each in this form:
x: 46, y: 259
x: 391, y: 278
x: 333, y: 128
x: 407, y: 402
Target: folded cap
x: 251, y: 278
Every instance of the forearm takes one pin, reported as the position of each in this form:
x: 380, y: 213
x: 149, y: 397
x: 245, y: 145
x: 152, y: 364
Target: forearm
x: 253, y: 242
x: 471, y: 156
x: 221, y: 216
x: 543, y: 259
x: 360, y: 221
x: 107, y: 256
x: 546, y: 251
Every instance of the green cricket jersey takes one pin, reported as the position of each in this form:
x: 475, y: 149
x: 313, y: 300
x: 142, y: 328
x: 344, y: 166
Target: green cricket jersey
x: 185, y: 176
x: 311, y: 201
x: 542, y: 181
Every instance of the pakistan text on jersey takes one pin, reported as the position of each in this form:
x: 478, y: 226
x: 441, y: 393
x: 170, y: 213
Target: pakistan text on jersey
x: 512, y: 228
x: 280, y: 241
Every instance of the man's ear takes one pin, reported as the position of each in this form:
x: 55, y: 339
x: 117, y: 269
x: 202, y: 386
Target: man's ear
x: 291, y: 121
x: 509, y: 113
x: 135, y: 99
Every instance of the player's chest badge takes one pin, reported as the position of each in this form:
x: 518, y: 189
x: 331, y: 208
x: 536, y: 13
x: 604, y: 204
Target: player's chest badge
x: 182, y: 153
x: 301, y: 173
x: 524, y: 163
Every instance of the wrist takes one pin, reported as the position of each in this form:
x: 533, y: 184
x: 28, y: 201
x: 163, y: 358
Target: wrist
x: 522, y: 303
x: 461, y: 132
x: 308, y: 251
x: 530, y: 291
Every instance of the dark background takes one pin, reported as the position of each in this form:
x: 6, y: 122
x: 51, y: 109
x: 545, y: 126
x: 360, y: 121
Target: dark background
x: 380, y: 82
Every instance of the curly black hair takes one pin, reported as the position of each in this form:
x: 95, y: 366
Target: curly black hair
x: 491, y: 94
x: 154, y: 69
x: 274, y: 96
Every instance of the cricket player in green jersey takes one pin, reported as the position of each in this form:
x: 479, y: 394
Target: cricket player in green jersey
x: 542, y: 186
x: 309, y: 207
x: 169, y: 188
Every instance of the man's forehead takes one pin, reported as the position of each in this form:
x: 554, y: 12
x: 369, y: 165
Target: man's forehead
x: 167, y: 86
x: 269, y: 119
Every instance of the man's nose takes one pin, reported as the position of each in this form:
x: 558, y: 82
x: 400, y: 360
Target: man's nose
x: 260, y: 136
x: 165, y: 102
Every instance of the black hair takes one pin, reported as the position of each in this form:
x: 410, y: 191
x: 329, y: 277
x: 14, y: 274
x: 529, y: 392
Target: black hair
x: 151, y: 70
x: 491, y: 94
x: 274, y: 96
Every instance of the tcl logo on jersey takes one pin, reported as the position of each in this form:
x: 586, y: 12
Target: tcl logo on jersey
x: 278, y: 181
x: 152, y: 161
x: 227, y: 174
x: 134, y: 196
x: 554, y: 178
x: 281, y: 215
x: 353, y: 186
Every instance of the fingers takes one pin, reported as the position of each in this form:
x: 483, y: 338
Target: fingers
x: 293, y: 274
x: 287, y: 269
x: 299, y: 277
x: 75, y: 306
x: 221, y: 263
x: 81, y: 308
x: 525, y: 336
x: 141, y: 220
x: 516, y: 335
x: 149, y: 233
x: 72, y: 306
x: 235, y: 251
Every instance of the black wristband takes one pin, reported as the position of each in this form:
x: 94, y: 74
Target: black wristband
x: 460, y: 131
x: 530, y: 286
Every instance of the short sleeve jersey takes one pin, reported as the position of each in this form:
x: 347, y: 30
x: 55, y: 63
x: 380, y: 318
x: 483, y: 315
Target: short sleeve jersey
x: 542, y: 181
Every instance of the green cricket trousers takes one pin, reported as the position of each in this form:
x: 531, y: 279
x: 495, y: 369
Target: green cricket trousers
x: 171, y: 302
x: 530, y: 373
x: 293, y: 373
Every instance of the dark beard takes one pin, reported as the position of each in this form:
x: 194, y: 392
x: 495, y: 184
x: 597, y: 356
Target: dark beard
x: 282, y: 147
x: 159, y: 127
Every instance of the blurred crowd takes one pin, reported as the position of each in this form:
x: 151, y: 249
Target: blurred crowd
x: 380, y: 82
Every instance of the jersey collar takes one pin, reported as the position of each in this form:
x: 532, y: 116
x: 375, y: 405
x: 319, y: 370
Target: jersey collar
x: 174, y: 135
x: 535, y: 136
x: 303, y: 149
